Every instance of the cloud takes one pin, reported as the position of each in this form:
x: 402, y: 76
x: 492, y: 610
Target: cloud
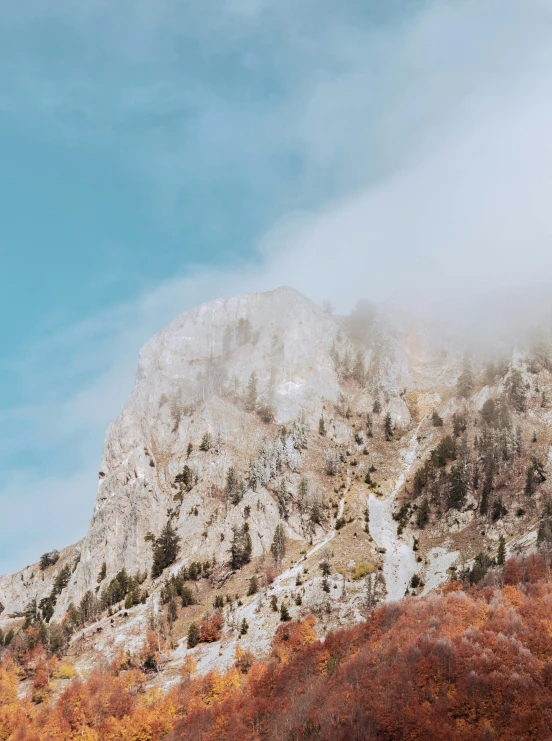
x: 426, y: 167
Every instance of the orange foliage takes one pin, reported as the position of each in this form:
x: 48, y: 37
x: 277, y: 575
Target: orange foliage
x: 451, y: 666
x: 210, y: 629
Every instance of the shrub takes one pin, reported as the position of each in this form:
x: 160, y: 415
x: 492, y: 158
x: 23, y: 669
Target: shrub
x: 362, y: 570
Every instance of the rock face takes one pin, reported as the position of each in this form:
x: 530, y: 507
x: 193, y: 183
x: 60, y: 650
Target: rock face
x: 231, y: 370
x: 263, y: 414
x: 17, y: 591
x: 194, y: 377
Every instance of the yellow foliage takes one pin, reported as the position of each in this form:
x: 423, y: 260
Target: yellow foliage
x: 8, y: 686
x: 188, y: 667
x: 362, y: 570
x: 221, y: 684
x: 65, y: 671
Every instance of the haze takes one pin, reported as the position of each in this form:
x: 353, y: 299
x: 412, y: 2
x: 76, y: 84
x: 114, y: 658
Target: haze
x: 183, y: 153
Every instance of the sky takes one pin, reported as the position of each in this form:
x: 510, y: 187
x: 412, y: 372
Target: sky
x: 155, y: 155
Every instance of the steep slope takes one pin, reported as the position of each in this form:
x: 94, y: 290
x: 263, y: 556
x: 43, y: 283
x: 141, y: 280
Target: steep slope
x: 273, y: 461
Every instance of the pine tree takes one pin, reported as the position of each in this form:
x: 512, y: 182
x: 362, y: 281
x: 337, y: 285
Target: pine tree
x: 501, y: 555
x: 530, y: 481
x: 321, y: 426
x: 302, y: 495
x: 172, y: 611
x: 377, y: 406
x: 516, y: 389
x: 193, y: 635
x: 278, y: 547
x: 422, y: 515
x: 388, y: 426
x: 369, y: 425
x: 251, y: 393
x: 241, y: 547
x: 466, y: 382
x: 359, y: 371
x: 232, y: 486
x: 253, y: 586
x: 284, y: 613
x: 458, y: 485
x: 488, y: 485
x: 165, y: 550
x: 206, y: 442
x: 103, y: 573
x: 436, y: 419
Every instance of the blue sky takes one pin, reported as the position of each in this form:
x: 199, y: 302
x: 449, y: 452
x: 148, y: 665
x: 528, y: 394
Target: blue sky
x: 156, y: 154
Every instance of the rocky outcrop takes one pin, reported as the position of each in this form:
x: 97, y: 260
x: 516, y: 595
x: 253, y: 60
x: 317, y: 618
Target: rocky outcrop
x: 231, y: 373
x: 197, y: 377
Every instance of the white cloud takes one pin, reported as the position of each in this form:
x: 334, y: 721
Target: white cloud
x: 443, y: 169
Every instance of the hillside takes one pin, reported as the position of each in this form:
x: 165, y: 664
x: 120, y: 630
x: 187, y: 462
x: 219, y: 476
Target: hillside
x: 452, y: 665
x: 275, y: 461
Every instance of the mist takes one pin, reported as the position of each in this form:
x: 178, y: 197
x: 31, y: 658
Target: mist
x: 426, y: 173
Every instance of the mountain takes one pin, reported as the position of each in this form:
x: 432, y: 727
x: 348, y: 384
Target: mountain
x: 276, y: 461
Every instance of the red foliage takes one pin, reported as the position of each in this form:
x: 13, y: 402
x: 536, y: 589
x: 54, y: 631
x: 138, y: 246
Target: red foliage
x: 210, y: 629
x: 451, y: 666
x: 512, y: 572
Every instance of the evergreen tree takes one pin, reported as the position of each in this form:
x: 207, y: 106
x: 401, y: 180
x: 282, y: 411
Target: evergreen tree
x: 466, y: 382
x: 516, y: 390
x: 206, y: 442
x: 302, y: 495
x: 321, y: 426
x: 369, y: 425
x: 102, y: 573
x: 165, y: 550
x: 278, y: 547
x: 359, y: 370
x: 231, y: 489
x: 436, y: 419
x: 388, y: 426
x: 530, y: 481
x: 251, y: 393
x: 377, y: 406
x: 422, y: 515
x: 241, y: 548
x: 193, y: 635
x: 172, y: 611
x: 490, y: 374
x: 499, y: 510
x: 284, y: 613
x: 458, y: 485
x: 253, y: 586
x: 283, y: 499
x: 501, y: 555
